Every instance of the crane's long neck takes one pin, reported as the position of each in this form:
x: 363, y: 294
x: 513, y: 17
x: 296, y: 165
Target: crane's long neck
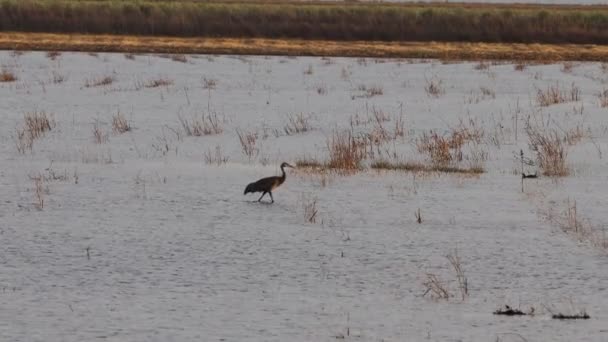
x: 283, y: 176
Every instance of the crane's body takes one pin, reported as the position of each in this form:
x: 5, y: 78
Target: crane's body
x: 266, y: 185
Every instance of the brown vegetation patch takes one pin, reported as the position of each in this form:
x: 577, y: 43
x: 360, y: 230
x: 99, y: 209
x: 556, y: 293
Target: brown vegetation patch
x: 309, y: 163
x: 421, y: 167
x: 36, y: 124
x: 346, y: 152
x: 370, y: 91
x: 179, y: 58
x: 448, y: 150
x: 248, y: 142
x: 434, y: 88
x: 99, y: 135
x: 209, y: 124
x: 120, y: 124
x: 216, y: 156
x: 603, y: 98
x: 520, y: 66
x: 570, y: 220
x: 297, y: 123
x: 52, y: 55
x: 554, y: 94
x: 265, y: 46
x: 7, y: 76
x: 550, y: 151
x: 159, y: 82
x: 99, y: 81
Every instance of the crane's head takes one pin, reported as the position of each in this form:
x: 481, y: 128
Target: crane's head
x: 286, y: 165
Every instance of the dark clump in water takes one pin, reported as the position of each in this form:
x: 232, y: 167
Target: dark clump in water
x: 509, y: 311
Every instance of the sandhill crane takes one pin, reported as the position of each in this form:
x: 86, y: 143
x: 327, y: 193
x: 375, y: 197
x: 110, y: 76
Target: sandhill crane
x: 266, y: 185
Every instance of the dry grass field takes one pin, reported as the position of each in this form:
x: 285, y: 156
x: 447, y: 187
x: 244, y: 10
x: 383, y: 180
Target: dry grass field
x: 295, y: 47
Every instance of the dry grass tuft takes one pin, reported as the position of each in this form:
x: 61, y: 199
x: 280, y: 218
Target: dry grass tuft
x: 571, y: 221
x: 58, y: 78
x: 520, y: 66
x: 603, y: 97
x: 439, y: 289
x: 550, y: 151
x: 52, y: 55
x: 309, y: 70
x: 321, y: 89
x: 379, y: 135
x: 163, y: 142
x: 120, y: 124
x: 346, y: 152
x: 310, y: 210
x: 574, y: 135
x: 50, y: 175
x: 345, y: 74
x: 7, y: 76
x: 36, y: 124
x: 463, y: 283
x: 380, y: 116
x: 554, y: 95
x: 248, y: 143
x: 209, y: 83
x: 482, y: 65
x: 23, y: 141
x: 209, y: 124
x: 98, y: 82
x: 297, y: 123
x: 179, y: 58
x: 487, y: 92
x: 399, y: 131
x: 441, y: 150
x: 576, y: 225
x: 370, y: 91
x: 99, y: 136
x: 484, y: 94
x: 159, y: 82
x: 434, y: 88
x: 436, y: 287
x: 567, y: 67
x: 446, y: 151
x: 374, y: 91
x: 39, y: 191
x: 215, y: 157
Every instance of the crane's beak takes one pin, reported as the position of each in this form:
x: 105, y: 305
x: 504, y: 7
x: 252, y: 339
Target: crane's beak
x: 289, y: 166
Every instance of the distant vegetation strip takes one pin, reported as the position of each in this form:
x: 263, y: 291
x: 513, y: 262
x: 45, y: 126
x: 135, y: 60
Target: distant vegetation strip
x: 348, y: 21
x: 296, y: 47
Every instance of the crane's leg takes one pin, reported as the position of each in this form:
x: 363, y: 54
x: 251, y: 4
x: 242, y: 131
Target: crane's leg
x: 264, y: 193
x: 272, y: 198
